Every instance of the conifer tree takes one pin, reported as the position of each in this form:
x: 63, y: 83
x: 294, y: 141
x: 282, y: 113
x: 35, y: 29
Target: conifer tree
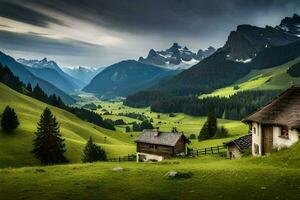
x: 93, y: 152
x: 29, y: 87
x: 49, y: 146
x: 9, y: 120
x: 39, y: 94
x: 209, y: 128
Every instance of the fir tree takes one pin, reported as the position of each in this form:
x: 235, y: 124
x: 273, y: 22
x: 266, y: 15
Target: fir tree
x: 9, y: 120
x: 209, y: 128
x: 93, y: 152
x: 39, y: 94
x: 49, y: 146
x: 28, y: 87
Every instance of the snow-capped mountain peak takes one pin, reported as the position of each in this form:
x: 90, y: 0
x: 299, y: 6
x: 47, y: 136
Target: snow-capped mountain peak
x: 176, y: 57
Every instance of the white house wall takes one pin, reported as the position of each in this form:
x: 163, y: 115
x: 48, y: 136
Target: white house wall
x: 256, y: 138
x: 148, y: 157
x: 279, y: 142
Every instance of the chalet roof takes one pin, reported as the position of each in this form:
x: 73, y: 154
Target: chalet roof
x: 284, y: 110
x: 242, y: 143
x: 162, y: 138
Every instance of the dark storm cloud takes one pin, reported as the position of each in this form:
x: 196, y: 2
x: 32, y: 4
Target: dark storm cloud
x: 135, y: 25
x: 170, y: 16
x: 20, y: 13
x: 34, y: 42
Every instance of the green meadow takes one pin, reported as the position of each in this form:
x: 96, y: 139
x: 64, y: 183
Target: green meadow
x: 273, y: 177
x: 15, y: 148
x: 264, y: 79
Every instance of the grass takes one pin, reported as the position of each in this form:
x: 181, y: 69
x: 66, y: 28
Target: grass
x: 211, y: 178
x: 184, y: 123
x: 15, y: 148
x: 264, y: 79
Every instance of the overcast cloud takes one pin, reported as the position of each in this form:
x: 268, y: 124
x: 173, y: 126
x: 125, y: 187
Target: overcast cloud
x: 99, y: 33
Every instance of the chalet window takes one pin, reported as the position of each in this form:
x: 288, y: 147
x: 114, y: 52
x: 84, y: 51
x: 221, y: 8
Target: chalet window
x: 284, y: 133
x: 153, y: 146
x: 254, y: 130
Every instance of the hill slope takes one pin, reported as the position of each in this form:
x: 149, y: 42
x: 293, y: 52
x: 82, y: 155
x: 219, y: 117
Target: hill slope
x: 126, y: 77
x: 15, y: 149
x: 275, y: 78
x: 27, y: 77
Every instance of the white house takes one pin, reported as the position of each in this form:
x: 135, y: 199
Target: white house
x: 277, y: 125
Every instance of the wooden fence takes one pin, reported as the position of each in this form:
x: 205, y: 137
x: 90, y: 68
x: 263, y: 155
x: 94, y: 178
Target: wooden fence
x: 123, y: 159
x: 209, y: 150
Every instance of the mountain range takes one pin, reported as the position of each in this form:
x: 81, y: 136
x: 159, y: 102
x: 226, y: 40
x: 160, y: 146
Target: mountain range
x: 26, y: 76
x: 127, y: 77
x: 176, y: 57
x: 84, y: 74
x: 51, y: 72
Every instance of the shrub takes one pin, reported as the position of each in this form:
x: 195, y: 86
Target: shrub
x: 120, y: 122
x: 93, y: 152
x: 9, y: 120
x: 222, y: 132
x: 127, y: 129
x: 192, y: 136
x: 146, y: 125
x: 172, y: 115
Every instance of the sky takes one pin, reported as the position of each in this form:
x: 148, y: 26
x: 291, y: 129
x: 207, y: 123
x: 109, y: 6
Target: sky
x: 96, y: 33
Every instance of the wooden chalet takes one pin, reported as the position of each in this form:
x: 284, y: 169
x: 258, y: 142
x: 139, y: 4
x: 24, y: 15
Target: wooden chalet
x: 236, y: 147
x: 156, y: 145
x: 276, y: 125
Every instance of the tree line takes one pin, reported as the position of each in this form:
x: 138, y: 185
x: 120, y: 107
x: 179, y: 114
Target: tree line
x: 9, y: 79
x: 234, y: 107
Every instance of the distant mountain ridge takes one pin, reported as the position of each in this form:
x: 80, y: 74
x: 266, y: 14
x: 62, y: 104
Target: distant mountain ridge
x: 126, y: 77
x: 85, y: 74
x: 176, y: 57
x: 51, y: 72
x: 246, y: 41
x: 26, y: 76
x: 247, y: 48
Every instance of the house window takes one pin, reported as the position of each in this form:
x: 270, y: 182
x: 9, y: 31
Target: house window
x: 153, y: 146
x: 254, y: 130
x: 284, y: 133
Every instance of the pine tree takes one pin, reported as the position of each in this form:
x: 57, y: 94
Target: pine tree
x: 39, y: 94
x: 209, y: 128
x: 28, y: 87
x: 9, y: 120
x: 212, y: 123
x: 93, y: 152
x: 49, y: 146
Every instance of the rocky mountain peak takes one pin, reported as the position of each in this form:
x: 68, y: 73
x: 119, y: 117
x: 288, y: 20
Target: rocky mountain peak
x: 175, y: 57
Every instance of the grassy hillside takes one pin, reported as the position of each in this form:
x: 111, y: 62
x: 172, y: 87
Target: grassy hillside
x: 15, y: 148
x: 273, y: 177
x: 272, y: 78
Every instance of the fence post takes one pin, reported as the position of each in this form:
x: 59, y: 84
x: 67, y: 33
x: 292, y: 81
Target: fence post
x: 205, y: 151
x: 212, y: 151
x: 218, y: 148
x: 197, y: 153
